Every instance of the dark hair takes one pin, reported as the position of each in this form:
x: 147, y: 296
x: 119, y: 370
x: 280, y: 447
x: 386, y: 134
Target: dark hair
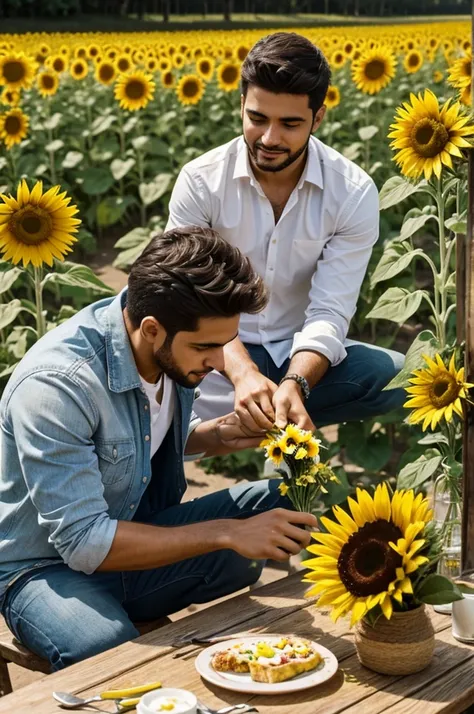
x: 288, y: 63
x: 189, y: 273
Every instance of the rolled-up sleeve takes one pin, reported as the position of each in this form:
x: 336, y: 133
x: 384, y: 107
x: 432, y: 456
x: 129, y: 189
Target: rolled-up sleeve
x: 190, y: 202
x: 53, y: 422
x: 338, y: 278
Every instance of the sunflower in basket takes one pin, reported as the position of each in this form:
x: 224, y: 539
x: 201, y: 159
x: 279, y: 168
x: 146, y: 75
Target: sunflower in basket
x: 377, y: 557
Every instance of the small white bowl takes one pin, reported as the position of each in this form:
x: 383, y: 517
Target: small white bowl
x: 186, y: 702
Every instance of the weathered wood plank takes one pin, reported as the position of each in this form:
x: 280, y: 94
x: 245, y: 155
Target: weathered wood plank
x: 259, y: 608
x: 399, y: 696
x: 352, y: 683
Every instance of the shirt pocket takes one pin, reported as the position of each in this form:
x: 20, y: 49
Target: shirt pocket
x: 116, y: 459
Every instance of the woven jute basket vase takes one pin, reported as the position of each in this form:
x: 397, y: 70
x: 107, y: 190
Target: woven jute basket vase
x: 402, y: 645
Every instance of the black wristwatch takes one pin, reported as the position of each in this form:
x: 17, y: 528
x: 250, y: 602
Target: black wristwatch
x: 299, y: 380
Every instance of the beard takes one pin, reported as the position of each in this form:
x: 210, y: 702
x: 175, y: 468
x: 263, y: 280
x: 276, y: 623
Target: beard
x: 290, y: 157
x: 166, y: 362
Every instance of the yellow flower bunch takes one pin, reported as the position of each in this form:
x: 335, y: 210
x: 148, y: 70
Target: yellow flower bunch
x: 305, y: 476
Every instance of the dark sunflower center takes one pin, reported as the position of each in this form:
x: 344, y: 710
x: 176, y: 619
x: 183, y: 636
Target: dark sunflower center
x: 167, y: 79
x: 31, y: 225
x: 205, y: 67
x: 348, y: 48
x: 58, y: 64
x: 106, y: 72
x: 374, y: 69
x: 429, y: 137
x: 242, y: 53
x: 12, y: 125
x: 79, y: 68
x: 466, y: 68
x: 47, y: 81
x: 367, y: 564
x: 444, y: 391
x: 413, y: 60
x: 331, y: 95
x: 93, y: 52
x: 81, y: 52
x: 14, y: 71
x: 190, y: 88
x: 135, y: 89
x: 229, y: 75
x: 123, y: 65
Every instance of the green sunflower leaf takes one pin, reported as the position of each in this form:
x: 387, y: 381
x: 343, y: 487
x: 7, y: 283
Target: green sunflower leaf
x: 424, y: 343
x: 397, y: 305
x: 435, y: 589
x: 396, y: 189
x: 415, y: 474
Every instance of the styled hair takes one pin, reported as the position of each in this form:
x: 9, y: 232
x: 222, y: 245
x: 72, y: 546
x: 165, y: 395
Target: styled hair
x: 189, y: 273
x: 287, y: 63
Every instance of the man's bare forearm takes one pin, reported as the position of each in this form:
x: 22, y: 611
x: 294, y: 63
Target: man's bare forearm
x: 310, y: 365
x: 138, y: 546
x: 237, y: 360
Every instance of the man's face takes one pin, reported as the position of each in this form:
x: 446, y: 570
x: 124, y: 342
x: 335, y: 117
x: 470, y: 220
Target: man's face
x: 189, y: 356
x: 277, y: 127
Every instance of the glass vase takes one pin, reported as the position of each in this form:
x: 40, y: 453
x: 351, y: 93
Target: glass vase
x: 448, y: 513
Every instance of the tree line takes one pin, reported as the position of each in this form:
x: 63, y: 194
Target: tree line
x: 167, y: 8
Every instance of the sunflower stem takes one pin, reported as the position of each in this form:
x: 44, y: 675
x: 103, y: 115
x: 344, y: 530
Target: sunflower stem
x: 440, y: 287
x: 40, y: 325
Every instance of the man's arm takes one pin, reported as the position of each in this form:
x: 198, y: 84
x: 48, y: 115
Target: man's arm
x: 332, y: 302
x: 222, y: 435
x: 190, y: 202
x: 52, y: 422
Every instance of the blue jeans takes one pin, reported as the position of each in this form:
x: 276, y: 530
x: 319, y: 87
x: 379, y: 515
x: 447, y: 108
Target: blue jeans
x: 352, y: 390
x: 65, y: 616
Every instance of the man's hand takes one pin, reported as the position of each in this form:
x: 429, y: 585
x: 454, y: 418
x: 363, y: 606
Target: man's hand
x: 233, y: 435
x: 253, y: 401
x: 289, y: 406
x: 274, y: 534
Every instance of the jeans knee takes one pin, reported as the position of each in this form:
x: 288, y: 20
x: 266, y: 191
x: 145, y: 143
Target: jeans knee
x: 95, y: 640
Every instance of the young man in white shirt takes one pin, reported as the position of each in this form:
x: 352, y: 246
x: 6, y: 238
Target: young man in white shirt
x: 307, y: 218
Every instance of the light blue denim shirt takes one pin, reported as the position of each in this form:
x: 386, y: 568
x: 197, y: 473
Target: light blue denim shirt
x: 75, y: 444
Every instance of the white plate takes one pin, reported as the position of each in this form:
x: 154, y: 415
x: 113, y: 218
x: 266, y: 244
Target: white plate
x: 244, y: 683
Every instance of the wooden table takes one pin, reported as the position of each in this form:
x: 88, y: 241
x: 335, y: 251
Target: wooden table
x: 447, y: 685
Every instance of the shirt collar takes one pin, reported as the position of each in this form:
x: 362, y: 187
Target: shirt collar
x: 122, y: 369
x: 311, y: 173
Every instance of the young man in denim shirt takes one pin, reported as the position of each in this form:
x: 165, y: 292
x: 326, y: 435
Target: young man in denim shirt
x: 95, y: 422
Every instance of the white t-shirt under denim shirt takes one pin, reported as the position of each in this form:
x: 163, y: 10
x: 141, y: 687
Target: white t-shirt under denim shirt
x: 161, y: 415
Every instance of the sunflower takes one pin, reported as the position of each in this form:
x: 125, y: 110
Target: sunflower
x: 365, y: 557
x: 466, y: 96
x: 179, y: 60
x: 13, y: 127
x: 292, y: 438
x: 205, y: 67
x: 164, y: 64
x: 348, y: 48
x: 338, y: 59
x: 79, y: 69
x: 47, y: 83
x: 459, y: 74
x: 413, y: 61
x: 167, y: 79
x: 11, y: 97
x: 151, y: 64
x: 93, y: 51
x: 80, y: 52
x: 333, y: 97
x: 134, y: 90
x: 58, y: 63
x: 373, y: 69
x: 123, y: 63
x: 190, y: 89
x: 37, y: 227
x: 437, y: 392
x: 105, y: 73
x: 426, y: 136
x: 438, y: 76
x: 228, y: 76
x: 17, y: 71
x: 241, y: 52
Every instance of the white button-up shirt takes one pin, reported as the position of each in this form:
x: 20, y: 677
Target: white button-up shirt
x: 313, y: 260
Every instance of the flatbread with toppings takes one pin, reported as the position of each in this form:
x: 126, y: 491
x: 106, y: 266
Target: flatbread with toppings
x: 269, y: 662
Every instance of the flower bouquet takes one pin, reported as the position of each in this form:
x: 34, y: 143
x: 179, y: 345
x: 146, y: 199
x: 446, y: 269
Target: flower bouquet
x: 295, y: 453
x: 377, y: 562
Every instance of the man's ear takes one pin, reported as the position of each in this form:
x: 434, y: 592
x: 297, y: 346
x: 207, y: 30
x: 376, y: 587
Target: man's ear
x: 318, y: 117
x: 152, y: 331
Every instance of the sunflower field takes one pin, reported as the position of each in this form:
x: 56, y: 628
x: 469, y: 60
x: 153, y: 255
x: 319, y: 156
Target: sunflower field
x: 111, y: 119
